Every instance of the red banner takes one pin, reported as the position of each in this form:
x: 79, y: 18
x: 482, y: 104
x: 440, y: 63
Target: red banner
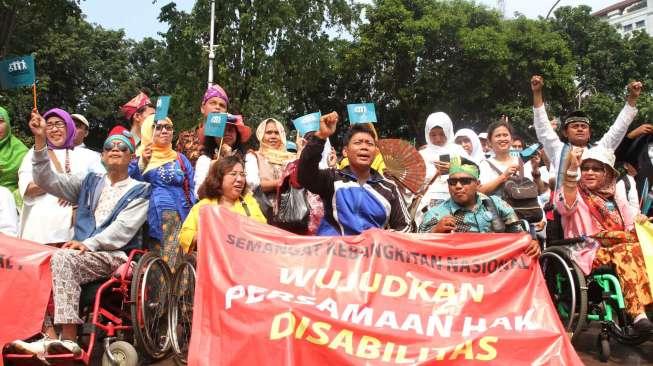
x: 267, y: 297
x: 25, y: 286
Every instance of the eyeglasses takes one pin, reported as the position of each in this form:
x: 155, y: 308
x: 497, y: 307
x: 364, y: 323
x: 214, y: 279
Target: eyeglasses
x: 163, y: 127
x: 109, y: 145
x: 595, y: 168
x: 464, y: 181
x: 237, y: 174
x: 57, y: 124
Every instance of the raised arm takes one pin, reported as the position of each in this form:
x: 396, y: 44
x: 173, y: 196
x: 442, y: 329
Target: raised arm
x: 617, y: 131
x: 546, y: 135
x: 309, y: 173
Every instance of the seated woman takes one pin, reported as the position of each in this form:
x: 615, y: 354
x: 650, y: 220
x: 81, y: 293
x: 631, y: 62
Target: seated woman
x: 590, y: 206
x: 265, y: 167
x: 226, y: 186
x: 171, y: 177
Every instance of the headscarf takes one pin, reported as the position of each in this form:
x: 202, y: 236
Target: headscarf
x: 274, y: 155
x: 215, y: 90
x: 12, y: 151
x: 597, y: 199
x: 463, y: 165
x: 477, y: 149
x: 431, y: 152
x: 70, y: 128
x: 160, y: 154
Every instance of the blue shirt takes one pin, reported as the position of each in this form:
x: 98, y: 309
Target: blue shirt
x: 478, y: 220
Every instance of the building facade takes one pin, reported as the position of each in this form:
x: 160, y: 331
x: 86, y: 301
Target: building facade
x: 629, y: 16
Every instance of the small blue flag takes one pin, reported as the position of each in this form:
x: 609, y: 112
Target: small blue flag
x: 17, y: 71
x: 162, y: 106
x: 215, y: 124
x: 307, y: 123
x: 361, y: 113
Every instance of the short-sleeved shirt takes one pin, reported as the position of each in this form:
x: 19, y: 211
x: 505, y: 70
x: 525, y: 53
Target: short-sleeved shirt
x: 477, y: 220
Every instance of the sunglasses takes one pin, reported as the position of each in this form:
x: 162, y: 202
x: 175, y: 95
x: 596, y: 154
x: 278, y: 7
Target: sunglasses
x: 109, y: 145
x: 595, y: 168
x: 464, y: 181
x: 163, y: 127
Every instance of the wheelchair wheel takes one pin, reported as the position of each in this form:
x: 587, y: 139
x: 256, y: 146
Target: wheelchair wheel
x: 150, y: 294
x: 123, y: 353
x: 180, y: 316
x: 603, y: 345
x: 567, y: 288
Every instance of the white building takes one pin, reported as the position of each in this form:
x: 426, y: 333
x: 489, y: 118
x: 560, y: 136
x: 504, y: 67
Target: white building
x: 629, y: 15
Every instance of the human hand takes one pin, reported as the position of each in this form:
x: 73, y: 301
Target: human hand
x: 634, y: 91
x: 644, y: 129
x: 332, y: 160
x: 147, y: 154
x: 574, y: 158
x: 37, y: 125
x: 537, y: 83
x: 642, y: 219
x: 512, y: 170
x: 446, y: 225
x: 75, y: 245
x: 533, y: 249
x: 64, y: 203
x: 328, y: 124
x: 442, y: 167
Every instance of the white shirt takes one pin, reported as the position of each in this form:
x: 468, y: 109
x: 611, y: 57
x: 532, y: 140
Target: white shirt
x: 202, y: 166
x: 8, y: 213
x: 43, y: 220
x: 553, y: 145
x: 633, y: 195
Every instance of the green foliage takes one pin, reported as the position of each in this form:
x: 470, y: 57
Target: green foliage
x: 286, y: 59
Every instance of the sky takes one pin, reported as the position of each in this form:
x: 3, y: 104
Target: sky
x: 141, y: 19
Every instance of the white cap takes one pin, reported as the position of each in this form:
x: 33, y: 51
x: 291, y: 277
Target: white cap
x: 482, y: 135
x: 600, y: 153
x: 81, y: 119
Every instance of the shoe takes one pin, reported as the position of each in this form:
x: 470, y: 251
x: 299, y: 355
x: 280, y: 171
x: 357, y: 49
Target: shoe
x: 30, y: 348
x: 644, y: 326
x: 63, y: 346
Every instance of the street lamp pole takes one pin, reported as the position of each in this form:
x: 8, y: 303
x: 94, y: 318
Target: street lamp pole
x: 211, y: 52
x: 550, y: 10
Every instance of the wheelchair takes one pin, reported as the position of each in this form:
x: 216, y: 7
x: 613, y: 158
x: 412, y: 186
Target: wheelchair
x: 124, y: 313
x: 581, y: 299
x: 180, y: 314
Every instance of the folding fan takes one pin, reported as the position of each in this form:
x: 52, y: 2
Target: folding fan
x: 403, y: 163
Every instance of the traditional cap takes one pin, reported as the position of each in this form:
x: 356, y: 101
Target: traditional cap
x: 120, y: 133
x: 576, y: 116
x: 133, y: 105
x: 482, y: 135
x: 70, y: 127
x: 463, y: 165
x: 81, y: 119
x: 215, y: 90
x: 600, y: 154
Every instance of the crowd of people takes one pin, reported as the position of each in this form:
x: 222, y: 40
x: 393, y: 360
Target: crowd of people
x: 60, y: 192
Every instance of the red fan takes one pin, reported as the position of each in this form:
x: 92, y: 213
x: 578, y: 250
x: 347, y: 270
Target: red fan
x: 403, y: 163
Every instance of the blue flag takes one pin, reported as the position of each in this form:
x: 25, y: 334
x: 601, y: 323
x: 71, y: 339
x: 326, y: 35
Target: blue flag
x: 17, y: 71
x: 361, y: 113
x: 215, y: 124
x: 307, y: 123
x: 162, y: 106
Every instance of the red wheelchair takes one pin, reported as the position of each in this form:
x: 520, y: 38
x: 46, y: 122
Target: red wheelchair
x: 126, y: 314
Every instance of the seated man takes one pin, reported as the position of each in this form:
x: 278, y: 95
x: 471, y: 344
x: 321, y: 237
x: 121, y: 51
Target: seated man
x: 471, y: 211
x: 111, y: 209
x: 357, y: 197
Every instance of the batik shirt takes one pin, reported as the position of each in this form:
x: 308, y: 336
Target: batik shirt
x: 478, y: 220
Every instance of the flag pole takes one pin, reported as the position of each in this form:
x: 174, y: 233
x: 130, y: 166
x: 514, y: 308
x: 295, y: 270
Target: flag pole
x: 219, y: 148
x: 34, y: 94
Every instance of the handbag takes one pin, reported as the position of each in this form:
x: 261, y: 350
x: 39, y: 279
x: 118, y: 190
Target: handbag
x: 263, y: 202
x: 293, y: 211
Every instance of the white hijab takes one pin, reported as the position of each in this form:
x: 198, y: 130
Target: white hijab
x: 477, y: 149
x: 432, y: 152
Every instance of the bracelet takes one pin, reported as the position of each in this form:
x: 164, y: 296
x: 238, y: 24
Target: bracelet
x: 571, y: 173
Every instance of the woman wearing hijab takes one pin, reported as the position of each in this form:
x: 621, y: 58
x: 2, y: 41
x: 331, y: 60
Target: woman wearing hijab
x: 469, y: 141
x: 592, y: 206
x: 438, y: 132
x: 265, y: 167
x: 172, y: 179
x: 45, y: 218
x: 12, y: 151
